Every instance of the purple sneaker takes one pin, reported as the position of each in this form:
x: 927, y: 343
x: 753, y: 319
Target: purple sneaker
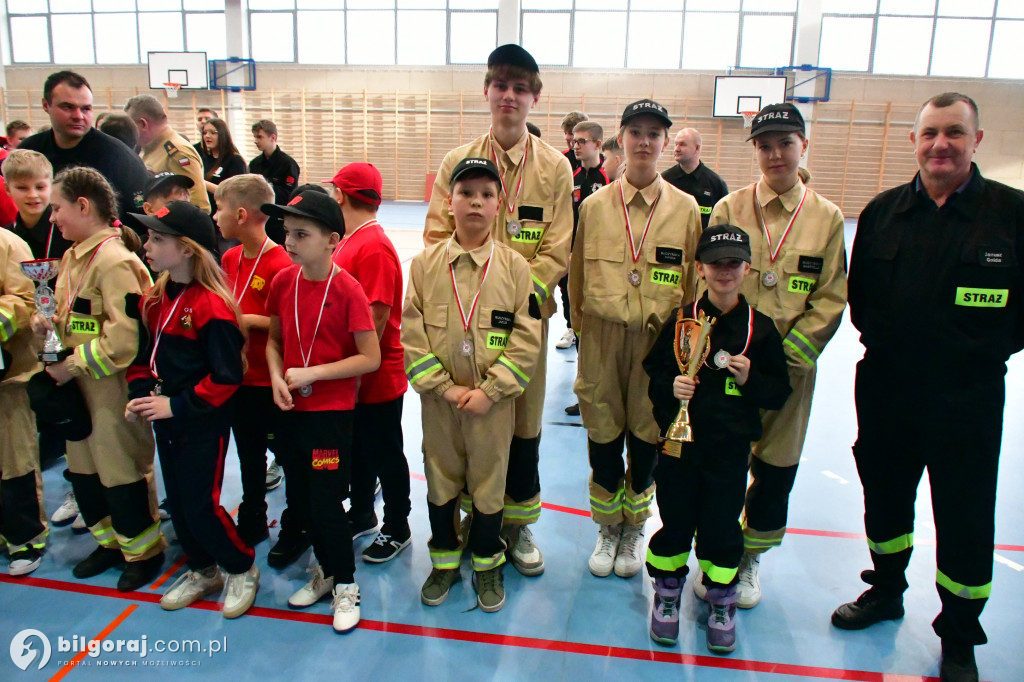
x: 722, y: 619
x: 665, y: 610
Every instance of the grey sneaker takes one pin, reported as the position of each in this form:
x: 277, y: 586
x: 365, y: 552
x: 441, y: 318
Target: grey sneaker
x: 748, y: 586
x: 490, y: 589
x: 192, y: 587
x: 241, y: 592
x: 602, y: 561
x: 439, y: 584
x: 629, y: 556
x: 275, y: 476
x: 523, y: 551
x: 665, y: 610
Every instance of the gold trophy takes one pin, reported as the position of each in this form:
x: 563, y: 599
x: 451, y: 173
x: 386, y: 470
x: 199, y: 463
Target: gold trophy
x: 692, y: 345
x: 41, y: 272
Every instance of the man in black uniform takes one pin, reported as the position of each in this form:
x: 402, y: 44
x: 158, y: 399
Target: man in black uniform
x: 72, y: 141
x: 935, y: 287
x: 692, y: 176
x: 278, y: 168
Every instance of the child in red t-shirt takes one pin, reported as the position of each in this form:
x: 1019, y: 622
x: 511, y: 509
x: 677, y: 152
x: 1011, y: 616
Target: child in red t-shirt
x: 321, y: 339
x: 249, y: 268
x: 377, y: 447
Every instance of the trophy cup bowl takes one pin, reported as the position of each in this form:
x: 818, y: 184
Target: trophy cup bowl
x: 41, y: 272
x: 692, y: 345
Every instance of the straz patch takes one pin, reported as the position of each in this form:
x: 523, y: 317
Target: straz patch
x: 801, y: 285
x: 666, y: 254
x: 811, y: 264
x: 731, y: 388
x: 258, y: 283
x: 981, y: 298
x: 497, y: 340
x: 668, y: 278
x: 83, y: 325
x: 529, y: 235
x: 325, y: 460
x: 502, y: 319
x: 706, y: 210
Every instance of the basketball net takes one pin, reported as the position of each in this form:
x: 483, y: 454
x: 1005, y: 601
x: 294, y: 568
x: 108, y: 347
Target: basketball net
x: 172, y: 90
x: 748, y: 118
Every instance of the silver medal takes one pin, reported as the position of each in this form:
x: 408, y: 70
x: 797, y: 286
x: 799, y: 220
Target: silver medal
x: 634, y: 277
x: 306, y: 391
x: 769, y: 278
x: 159, y: 388
x: 467, y: 347
x: 514, y: 227
x: 722, y: 359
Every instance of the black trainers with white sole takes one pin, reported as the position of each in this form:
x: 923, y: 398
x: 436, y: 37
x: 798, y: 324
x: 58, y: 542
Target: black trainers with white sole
x: 386, y: 546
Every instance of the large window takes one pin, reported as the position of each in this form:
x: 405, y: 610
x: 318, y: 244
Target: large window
x: 958, y: 38
x: 660, y: 34
x: 112, y: 31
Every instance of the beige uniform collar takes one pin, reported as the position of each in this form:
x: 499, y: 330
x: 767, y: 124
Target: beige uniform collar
x: 86, y: 245
x: 789, y: 199
x: 166, y: 134
x: 515, y: 153
x: 479, y: 255
x: 648, y: 193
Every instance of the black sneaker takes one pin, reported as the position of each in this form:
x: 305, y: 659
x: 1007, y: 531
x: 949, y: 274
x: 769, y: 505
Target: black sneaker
x: 873, y: 606
x: 138, y: 573
x: 386, y: 546
x: 363, y: 526
x: 99, y: 561
x: 289, y: 547
x: 958, y: 664
x: 573, y: 410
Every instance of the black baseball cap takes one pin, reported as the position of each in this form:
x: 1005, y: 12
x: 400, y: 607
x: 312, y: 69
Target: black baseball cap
x: 179, y: 219
x: 313, y: 205
x: 512, y: 55
x: 474, y: 164
x: 165, y: 180
x: 719, y: 242
x: 646, y: 106
x: 777, y: 118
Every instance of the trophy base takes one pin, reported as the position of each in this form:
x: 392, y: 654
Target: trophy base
x: 52, y: 357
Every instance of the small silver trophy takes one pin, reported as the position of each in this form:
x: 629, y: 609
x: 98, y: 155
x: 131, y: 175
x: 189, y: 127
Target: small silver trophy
x: 41, y: 272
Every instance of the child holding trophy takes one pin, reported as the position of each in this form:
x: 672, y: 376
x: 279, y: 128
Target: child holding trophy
x: 701, y: 476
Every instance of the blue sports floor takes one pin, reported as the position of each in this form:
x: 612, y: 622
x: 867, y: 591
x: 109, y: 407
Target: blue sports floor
x: 565, y: 624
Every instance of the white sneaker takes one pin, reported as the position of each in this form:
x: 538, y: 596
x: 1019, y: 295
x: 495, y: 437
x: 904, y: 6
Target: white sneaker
x: 192, y: 587
x: 629, y: 557
x: 525, y: 554
x: 345, y: 607
x: 241, y: 592
x: 568, y: 339
x: 67, y: 512
x: 78, y: 525
x: 699, y: 590
x: 25, y: 560
x: 748, y: 588
x: 602, y: 561
x: 313, y: 591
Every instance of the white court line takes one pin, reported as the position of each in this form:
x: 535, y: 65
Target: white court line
x: 1000, y: 559
x: 835, y: 477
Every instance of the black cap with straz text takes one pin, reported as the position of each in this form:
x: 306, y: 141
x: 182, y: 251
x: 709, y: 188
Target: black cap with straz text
x: 512, y: 55
x: 777, y: 118
x: 720, y: 242
x: 474, y: 164
x: 648, y: 107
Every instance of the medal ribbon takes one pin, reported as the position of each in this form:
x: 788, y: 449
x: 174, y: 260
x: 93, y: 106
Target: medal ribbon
x: 72, y: 297
x: 466, y: 319
x: 629, y: 228
x: 241, y: 258
x: 49, y: 240
x: 344, y: 242
x: 750, y: 326
x: 160, y: 331
x: 774, y: 253
x: 511, y: 205
x: 298, y: 332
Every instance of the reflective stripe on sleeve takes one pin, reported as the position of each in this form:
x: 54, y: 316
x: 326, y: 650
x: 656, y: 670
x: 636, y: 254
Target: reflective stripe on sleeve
x: 538, y: 288
x: 425, y: 365
x: 7, y: 326
x: 802, y: 346
x: 520, y: 376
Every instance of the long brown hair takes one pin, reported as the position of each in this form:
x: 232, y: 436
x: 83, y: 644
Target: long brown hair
x: 225, y: 146
x: 205, y: 271
x: 89, y: 183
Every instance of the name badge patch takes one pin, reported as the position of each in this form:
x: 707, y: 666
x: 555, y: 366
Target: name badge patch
x: 993, y: 257
x: 810, y: 264
x: 497, y: 340
x: 668, y: 278
x: 666, y: 254
x: 83, y: 325
x: 731, y: 388
x: 981, y: 298
x: 801, y: 285
x: 529, y: 235
x: 535, y: 213
x: 502, y: 319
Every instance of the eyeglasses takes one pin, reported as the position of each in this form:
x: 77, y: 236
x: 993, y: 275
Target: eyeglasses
x: 579, y: 142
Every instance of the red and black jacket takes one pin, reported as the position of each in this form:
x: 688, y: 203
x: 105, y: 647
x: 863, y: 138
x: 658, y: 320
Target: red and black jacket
x: 199, y: 356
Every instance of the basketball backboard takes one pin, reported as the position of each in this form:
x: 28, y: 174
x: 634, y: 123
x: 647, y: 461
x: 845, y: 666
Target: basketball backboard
x: 185, y: 68
x: 736, y: 94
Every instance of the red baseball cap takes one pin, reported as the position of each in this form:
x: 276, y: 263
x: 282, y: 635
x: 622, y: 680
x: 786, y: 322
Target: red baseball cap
x: 360, y: 181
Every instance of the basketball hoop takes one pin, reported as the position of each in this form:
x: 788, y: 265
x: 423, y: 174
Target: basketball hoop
x: 172, y: 89
x: 748, y: 117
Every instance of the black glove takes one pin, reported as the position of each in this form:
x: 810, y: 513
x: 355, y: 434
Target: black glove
x: 534, y: 307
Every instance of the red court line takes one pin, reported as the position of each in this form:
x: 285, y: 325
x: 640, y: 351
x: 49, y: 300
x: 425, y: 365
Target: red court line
x: 565, y: 510
x: 82, y: 654
x: 535, y: 643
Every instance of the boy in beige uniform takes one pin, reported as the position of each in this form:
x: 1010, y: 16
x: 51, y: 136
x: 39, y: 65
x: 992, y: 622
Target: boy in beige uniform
x: 797, y: 278
x: 632, y: 264
x: 535, y: 220
x: 471, y: 348
x: 22, y: 522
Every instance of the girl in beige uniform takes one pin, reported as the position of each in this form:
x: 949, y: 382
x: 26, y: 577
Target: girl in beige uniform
x: 632, y: 264
x: 98, y: 291
x: 797, y: 278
